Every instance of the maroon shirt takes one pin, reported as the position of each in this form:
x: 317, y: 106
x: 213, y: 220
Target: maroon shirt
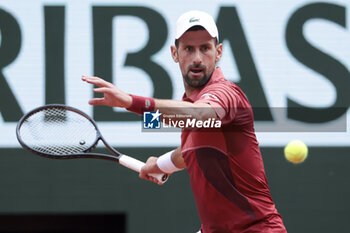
x: 225, y: 166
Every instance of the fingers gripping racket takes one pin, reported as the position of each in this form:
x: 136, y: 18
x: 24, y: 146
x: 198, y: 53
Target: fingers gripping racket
x: 61, y: 132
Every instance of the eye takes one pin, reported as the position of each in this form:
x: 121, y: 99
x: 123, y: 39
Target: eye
x: 188, y: 48
x: 204, y: 48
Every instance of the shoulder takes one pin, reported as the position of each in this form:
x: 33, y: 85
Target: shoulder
x: 223, y: 89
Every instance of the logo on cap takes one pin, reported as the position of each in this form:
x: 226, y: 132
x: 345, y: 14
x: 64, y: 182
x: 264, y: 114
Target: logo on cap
x: 194, y: 19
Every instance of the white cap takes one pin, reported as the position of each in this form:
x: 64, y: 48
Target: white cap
x: 196, y: 18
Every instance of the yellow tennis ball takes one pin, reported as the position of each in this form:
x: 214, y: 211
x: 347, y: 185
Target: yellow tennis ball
x: 296, y: 151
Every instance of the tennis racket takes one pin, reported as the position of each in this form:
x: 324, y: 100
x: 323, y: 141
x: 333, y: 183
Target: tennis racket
x: 61, y: 132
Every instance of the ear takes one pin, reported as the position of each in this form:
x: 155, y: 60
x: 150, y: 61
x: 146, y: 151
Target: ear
x: 218, y: 53
x: 174, y: 53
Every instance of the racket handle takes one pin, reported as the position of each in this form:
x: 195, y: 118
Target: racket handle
x: 136, y: 165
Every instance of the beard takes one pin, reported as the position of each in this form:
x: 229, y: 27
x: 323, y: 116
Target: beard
x: 200, y: 82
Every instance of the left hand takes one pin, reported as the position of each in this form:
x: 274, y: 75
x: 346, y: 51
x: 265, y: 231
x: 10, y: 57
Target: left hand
x: 112, y: 96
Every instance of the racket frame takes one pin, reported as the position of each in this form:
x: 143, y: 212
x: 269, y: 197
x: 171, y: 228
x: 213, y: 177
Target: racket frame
x: 116, y: 157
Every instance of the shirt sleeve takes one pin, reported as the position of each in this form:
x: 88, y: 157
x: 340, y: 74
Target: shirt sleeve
x: 223, y: 99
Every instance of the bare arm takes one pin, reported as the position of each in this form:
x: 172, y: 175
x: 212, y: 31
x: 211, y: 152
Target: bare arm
x: 114, y: 97
x: 199, y: 111
x: 177, y: 159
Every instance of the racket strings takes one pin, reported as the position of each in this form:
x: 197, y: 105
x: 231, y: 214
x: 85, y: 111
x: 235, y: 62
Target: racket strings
x: 58, y: 131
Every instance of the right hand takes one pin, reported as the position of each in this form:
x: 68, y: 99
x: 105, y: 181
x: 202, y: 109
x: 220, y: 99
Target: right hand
x: 150, y: 167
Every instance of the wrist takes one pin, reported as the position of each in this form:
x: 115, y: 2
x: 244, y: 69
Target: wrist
x: 166, y: 164
x: 141, y: 104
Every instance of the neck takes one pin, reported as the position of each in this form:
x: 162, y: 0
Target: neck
x: 188, y: 89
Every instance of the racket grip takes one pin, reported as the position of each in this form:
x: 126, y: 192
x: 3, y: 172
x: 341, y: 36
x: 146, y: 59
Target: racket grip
x: 136, y: 165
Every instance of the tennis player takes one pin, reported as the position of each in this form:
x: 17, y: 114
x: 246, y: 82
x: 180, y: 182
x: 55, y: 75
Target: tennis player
x: 225, y: 166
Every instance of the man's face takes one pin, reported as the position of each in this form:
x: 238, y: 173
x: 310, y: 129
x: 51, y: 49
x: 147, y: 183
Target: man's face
x: 197, y: 54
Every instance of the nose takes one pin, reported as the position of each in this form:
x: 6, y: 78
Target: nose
x: 197, y: 59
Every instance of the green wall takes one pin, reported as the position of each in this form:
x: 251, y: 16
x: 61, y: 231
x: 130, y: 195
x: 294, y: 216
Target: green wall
x: 312, y: 197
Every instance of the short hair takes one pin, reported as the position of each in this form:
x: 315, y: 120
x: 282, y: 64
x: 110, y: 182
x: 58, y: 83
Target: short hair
x: 195, y: 28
